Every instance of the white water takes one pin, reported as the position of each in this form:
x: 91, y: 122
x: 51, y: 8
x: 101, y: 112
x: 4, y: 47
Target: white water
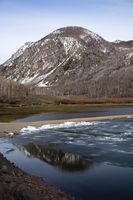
x: 33, y: 129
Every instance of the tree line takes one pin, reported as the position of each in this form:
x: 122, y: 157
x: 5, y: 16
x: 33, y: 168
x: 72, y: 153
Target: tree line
x: 11, y: 91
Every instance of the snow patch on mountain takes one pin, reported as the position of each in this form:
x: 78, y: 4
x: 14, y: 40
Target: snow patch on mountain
x: 28, y: 79
x: 123, y: 48
x: 36, y: 78
x: 43, y: 84
x: 129, y: 55
x: 104, y: 50
x: 70, y: 44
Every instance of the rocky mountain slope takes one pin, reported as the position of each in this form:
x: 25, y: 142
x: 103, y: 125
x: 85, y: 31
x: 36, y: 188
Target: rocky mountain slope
x: 19, y: 52
x: 76, y: 61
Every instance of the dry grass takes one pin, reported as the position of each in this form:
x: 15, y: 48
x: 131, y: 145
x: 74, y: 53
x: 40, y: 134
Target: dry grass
x: 87, y: 100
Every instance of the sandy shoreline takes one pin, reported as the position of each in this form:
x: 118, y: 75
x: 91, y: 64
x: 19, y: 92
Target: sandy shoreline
x: 15, y: 127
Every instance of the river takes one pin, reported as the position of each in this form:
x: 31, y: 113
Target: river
x: 89, y: 160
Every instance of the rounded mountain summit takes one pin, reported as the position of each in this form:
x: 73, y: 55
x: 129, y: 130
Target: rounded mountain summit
x: 75, y: 61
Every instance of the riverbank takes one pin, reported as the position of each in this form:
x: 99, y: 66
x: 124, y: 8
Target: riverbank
x: 18, y: 185
x: 9, y: 113
x: 15, y: 127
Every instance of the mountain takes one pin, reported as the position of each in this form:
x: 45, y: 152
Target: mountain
x: 124, y: 44
x: 74, y: 61
x: 57, y: 157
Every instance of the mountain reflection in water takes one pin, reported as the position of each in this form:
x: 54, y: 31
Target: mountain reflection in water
x: 56, y: 157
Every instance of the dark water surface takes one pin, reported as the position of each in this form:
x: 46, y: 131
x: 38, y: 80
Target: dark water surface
x: 94, y: 112
x: 87, y: 160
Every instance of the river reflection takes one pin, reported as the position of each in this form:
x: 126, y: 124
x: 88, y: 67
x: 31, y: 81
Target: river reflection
x: 51, y: 154
x: 87, y: 160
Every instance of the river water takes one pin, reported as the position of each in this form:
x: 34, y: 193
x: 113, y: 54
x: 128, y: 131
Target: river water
x: 89, y: 160
x: 93, y: 112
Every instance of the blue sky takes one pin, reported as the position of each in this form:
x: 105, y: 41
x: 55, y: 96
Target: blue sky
x: 30, y: 20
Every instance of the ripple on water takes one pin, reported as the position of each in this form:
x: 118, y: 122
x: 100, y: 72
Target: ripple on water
x: 97, y: 156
